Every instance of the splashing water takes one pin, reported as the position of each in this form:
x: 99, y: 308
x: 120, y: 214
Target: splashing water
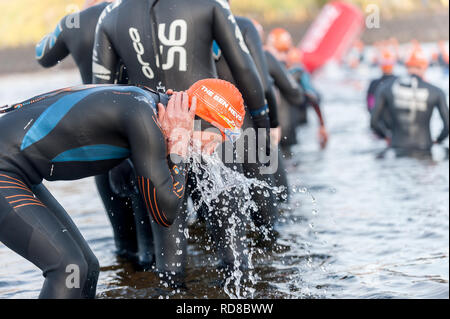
x: 216, y: 184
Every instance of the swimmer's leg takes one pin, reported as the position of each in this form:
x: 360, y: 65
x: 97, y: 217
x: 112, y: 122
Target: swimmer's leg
x: 281, y: 179
x: 171, y: 250
x: 144, y: 233
x: 53, y: 205
x: 120, y: 213
x: 34, y: 232
x: 266, y: 213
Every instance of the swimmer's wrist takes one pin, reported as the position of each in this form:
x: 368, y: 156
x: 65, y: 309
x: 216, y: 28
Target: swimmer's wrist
x: 179, y: 147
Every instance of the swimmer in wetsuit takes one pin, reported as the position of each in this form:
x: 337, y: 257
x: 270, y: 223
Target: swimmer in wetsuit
x: 267, y: 212
x: 386, y: 63
x: 75, y: 35
x: 84, y: 131
x: 410, y: 102
x: 76, y: 133
x: 169, y: 43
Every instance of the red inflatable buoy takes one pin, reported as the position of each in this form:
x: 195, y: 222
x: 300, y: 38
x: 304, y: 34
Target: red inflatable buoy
x: 331, y: 35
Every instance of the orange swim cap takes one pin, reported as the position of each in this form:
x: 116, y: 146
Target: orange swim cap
x: 387, y: 61
x: 280, y: 39
x: 417, y: 59
x: 294, y: 57
x: 221, y: 104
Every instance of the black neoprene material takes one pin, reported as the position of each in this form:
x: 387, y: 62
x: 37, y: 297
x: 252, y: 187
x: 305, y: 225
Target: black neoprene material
x: 254, y: 44
x: 35, y: 226
x: 283, y: 80
x: 75, y: 35
x: 186, y: 30
x: 65, y: 129
x: 410, y: 101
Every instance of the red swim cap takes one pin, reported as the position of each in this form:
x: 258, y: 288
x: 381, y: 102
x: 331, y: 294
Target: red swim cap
x: 280, y: 39
x: 221, y: 104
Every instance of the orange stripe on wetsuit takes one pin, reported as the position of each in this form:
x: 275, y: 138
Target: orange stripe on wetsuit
x: 22, y: 200
x: 144, y: 185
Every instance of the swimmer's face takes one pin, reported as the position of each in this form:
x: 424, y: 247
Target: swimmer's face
x: 206, y: 142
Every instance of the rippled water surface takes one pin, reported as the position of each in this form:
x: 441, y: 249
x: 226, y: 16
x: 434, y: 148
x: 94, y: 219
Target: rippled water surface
x: 359, y: 225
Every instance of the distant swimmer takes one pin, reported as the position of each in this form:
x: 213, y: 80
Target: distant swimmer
x: 313, y: 99
x: 65, y: 139
x: 267, y: 212
x: 386, y: 63
x: 279, y: 42
x: 410, y: 102
x: 74, y: 35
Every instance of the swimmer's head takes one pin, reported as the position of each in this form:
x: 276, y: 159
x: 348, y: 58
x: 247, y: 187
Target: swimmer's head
x: 417, y: 62
x: 280, y: 39
x: 387, y: 61
x: 220, y: 113
x: 294, y: 57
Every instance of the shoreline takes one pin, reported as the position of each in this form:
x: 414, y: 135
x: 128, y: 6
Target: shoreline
x: 424, y: 27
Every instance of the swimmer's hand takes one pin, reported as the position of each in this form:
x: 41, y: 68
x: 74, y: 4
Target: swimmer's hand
x: 275, y: 135
x: 388, y: 141
x: 177, y: 123
x: 323, y: 137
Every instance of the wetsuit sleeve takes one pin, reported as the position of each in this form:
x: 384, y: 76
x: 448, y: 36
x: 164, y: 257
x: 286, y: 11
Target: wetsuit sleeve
x: 229, y: 37
x: 254, y: 44
x: 444, y: 112
x: 105, y: 58
x: 161, y: 182
x: 284, y: 81
x: 371, y: 96
x: 52, y: 48
x: 376, y: 122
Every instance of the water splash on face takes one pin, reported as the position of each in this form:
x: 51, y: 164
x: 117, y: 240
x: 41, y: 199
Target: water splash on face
x: 226, y: 193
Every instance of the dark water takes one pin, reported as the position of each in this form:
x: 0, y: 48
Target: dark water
x: 358, y: 226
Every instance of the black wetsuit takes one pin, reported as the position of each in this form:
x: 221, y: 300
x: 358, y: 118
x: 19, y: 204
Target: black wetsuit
x: 410, y: 101
x: 75, y: 35
x: 267, y: 212
x: 71, y: 134
x: 291, y: 99
x: 168, y: 45
x: 131, y: 230
x: 373, y: 86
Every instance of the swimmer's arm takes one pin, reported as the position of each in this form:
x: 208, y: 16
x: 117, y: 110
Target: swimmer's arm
x: 376, y: 121
x: 318, y: 111
x: 285, y: 82
x: 105, y: 58
x: 230, y: 39
x: 370, y: 97
x: 254, y: 44
x: 52, y: 49
x: 161, y: 178
x: 444, y: 112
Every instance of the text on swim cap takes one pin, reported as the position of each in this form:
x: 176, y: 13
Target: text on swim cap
x: 216, y: 97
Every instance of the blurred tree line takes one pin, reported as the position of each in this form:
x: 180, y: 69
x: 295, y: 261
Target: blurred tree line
x: 24, y: 22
